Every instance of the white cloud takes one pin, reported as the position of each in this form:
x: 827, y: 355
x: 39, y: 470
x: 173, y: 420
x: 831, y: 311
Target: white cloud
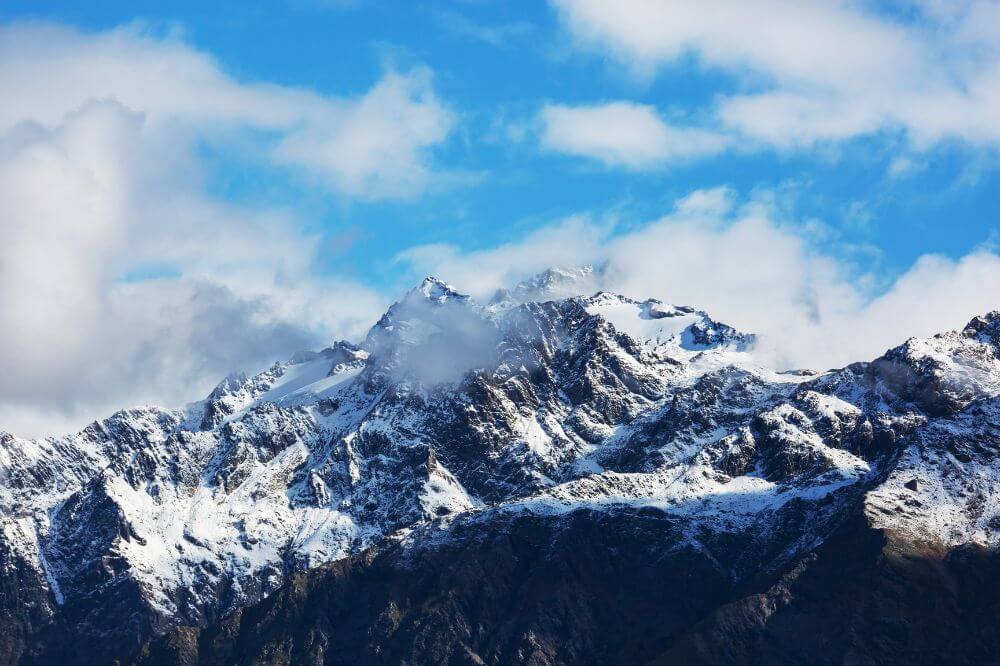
x: 622, y: 134
x: 375, y: 146
x: 748, y: 266
x: 102, y: 189
x: 818, y: 71
x: 93, y: 199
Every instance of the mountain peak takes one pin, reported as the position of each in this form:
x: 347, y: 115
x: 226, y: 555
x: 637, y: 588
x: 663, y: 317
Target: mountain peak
x: 436, y: 291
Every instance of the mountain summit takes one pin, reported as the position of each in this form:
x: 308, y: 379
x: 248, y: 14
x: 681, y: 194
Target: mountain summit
x: 539, y: 479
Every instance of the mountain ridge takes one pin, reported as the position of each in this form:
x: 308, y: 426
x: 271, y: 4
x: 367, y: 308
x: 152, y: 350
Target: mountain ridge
x: 455, y: 422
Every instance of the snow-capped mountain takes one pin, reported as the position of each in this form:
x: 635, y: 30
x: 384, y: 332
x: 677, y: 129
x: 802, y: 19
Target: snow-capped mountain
x: 596, y: 428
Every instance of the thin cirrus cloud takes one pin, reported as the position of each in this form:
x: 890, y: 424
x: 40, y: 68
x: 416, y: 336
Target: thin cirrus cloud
x: 623, y: 134
x: 818, y: 71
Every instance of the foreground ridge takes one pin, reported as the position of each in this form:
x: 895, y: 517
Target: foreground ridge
x: 623, y: 474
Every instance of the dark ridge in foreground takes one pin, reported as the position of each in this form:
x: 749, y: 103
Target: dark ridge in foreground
x: 616, y: 588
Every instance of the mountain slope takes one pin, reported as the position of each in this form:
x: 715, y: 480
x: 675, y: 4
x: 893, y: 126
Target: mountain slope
x: 629, y: 459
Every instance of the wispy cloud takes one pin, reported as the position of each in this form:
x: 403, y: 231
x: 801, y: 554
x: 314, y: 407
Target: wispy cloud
x: 377, y: 145
x: 622, y: 134
x: 569, y: 241
x: 500, y: 34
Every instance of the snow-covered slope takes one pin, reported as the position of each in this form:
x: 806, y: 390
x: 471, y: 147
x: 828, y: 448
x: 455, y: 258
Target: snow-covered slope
x: 451, y: 410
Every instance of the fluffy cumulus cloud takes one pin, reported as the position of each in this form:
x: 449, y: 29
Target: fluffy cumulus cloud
x: 121, y: 280
x: 747, y: 264
x: 818, y: 71
x: 622, y: 134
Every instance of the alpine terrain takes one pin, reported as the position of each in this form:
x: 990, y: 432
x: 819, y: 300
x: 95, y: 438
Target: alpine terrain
x: 543, y: 478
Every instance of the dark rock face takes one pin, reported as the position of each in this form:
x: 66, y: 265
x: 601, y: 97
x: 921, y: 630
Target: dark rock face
x: 586, y: 480
x: 864, y: 597
x: 26, y: 609
x: 588, y: 588
x: 617, y: 588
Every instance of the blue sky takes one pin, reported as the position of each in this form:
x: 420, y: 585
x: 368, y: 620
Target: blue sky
x: 306, y: 161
